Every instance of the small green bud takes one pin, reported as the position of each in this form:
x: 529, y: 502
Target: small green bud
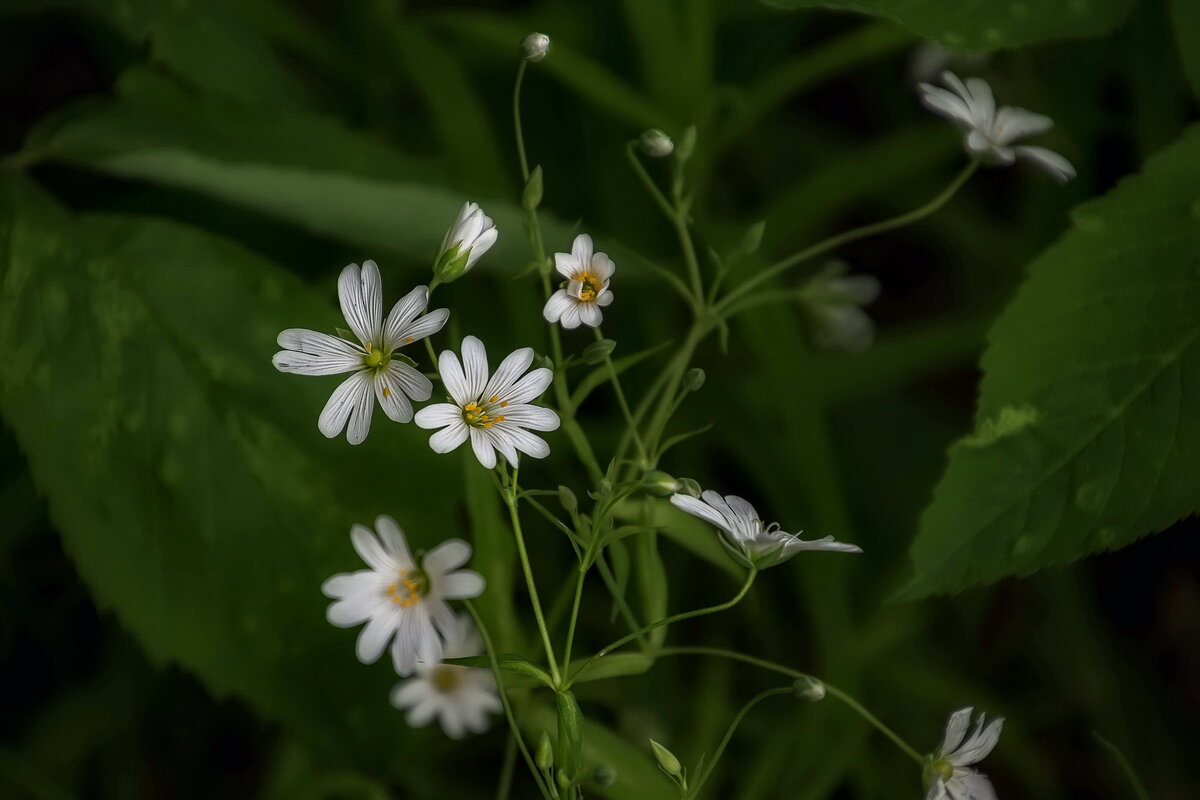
x: 660, y: 484
x: 753, y: 237
x: 604, y: 775
x: 543, y: 362
x: 567, y: 499
x: 532, y: 197
x: 656, y: 144
x: 689, y: 487
x: 809, y: 688
x: 687, y: 144
x: 597, y: 351
x: 666, y: 760
x: 545, y: 753
x: 564, y: 780
x: 535, y: 46
x: 693, y: 379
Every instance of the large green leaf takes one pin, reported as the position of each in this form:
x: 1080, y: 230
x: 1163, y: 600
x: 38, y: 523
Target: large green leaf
x: 187, y: 476
x: 988, y: 24
x: 1185, y: 20
x: 1087, y: 435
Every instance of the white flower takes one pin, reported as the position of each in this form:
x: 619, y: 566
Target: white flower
x: 471, y: 235
x: 376, y: 367
x: 398, y: 600
x: 833, y: 300
x: 748, y: 538
x: 948, y: 772
x: 586, y: 290
x: 460, y: 697
x: 493, y: 412
x: 988, y: 132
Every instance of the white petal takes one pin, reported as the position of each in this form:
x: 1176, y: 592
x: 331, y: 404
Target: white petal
x: 1051, y: 162
x: 422, y: 326
x: 449, y: 437
x: 410, y: 380
x: 347, y: 584
x: 352, y: 611
x: 482, y: 243
x: 475, y: 367
x: 350, y: 401
x: 446, y: 557
x: 314, y: 353
x: 504, y: 444
x: 605, y: 298
x: 451, y: 723
x: 985, y: 102
x: 405, y: 311
x: 795, y: 544
x: 409, y: 693
x: 582, y: 249
x: 371, y: 550
x: 510, y: 369
x: 361, y: 295
x: 462, y: 585
x: 556, y: 306
x: 591, y: 314
x: 946, y: 104
x: 602, y: 267
x: 438, y: 415
x: 970, y: 785
x: 374, y: 637
x: 1017, y: 123
x: 391, y: 397
x: 526, y: 442
x: 567, y: 265
x: 699, y: 509
x: 956, y: 729
x: 570, y: 317
x: 981, y: 742
x: 532, y: 417
x: 529, y: 387
x: 394, y: 542
x: 937, y: 791
x: 482, y: 446
x: 452, y: 377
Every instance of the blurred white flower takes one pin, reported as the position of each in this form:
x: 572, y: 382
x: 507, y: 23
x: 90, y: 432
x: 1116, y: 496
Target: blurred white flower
x: 586, y: 290
x: 656, y: 144
x: 948, y: 773
x: 751, y: 541
x: 494, y: 412
x: 377, y: 369
x: 398, y: 600
x: 471, y: 235
x: 989, y: 132
x: 833, y: 300
x: 459, y: 697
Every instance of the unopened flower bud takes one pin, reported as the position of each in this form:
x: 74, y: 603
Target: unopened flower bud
x: 666, y: 759
x: 597, y: 351
x: 689, y: 487
x: 532, y: 197
x: 545, y: 753
x: 693, y: 379
x: 471, y: 235
x: 567, y: 499
x: 753, y: 237
x: 656, y: 144
x: 809, y: 688
x: 544, y: 362
x: 535, y: 46
x: 660, y: 484
x: 604, y: 775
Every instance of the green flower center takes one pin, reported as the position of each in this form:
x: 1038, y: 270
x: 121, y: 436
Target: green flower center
x: 375, y: 357
x: 938, y: 768
x: 446, y: 678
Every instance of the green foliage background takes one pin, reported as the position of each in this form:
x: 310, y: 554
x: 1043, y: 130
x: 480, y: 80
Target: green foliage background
x: 186, y: 179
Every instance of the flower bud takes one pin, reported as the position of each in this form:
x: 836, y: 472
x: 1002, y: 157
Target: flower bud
x: 467, y: 240
x: 567, y: 499
x: 597, y: 351
x: 604, y: 775
x: 656, y: 144
x: 753, y: 237
x: 545, y: 753
x: 809, y: 688
x: 532, y: 197
x: 666, y: 760
x: 535, y: 46
x: 693, y: 379
x: 543, y: 362
x: 660, y: 484
x: 689, y: 487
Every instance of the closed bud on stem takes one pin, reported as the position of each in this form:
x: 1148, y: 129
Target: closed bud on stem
x: 532, y: 197
x: 544, y: 362
x: 545, y: 753
x: 656, y: 144
x: 660, y: 484
x: 689, y: 487
x: 604, y: 775
x: 809, y: 688
x: 666, y: 760
x: 471, y: 235
x: 567, y: 499
x: 535, y: 46
x: 753, y: 237
x: 597, y: 351
x: 693, y: 379
x: 687, y: 144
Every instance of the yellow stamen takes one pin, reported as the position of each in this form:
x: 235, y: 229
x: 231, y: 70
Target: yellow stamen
x: 503, y: 403
x: 493, y: 399
x: 409, y: 340
x: 387, y: 392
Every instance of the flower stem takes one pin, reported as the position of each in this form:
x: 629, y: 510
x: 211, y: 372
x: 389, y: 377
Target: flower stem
x: 579, y: 580
x: 779, y: 267
x: 516, y: 112
x: 623, y: 403
x: 737, y: 720
x: 719, y: 652
x: 700, y: 612
x: 510, y: 500
x: 1134, y: 781
x: 514, y: 728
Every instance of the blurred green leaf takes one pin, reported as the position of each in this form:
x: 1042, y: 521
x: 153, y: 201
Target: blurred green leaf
x: 988, y: 24
x: 1185, y: 19
x: 1086, y: 436
x: 187, y: 477
x: 614, y: 665
x: 509, y: 662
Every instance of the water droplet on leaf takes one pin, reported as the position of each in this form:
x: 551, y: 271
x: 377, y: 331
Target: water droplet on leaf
x: 1089, y: 497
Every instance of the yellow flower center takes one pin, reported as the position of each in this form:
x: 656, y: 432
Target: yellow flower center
x: 483, y: 414
x: 410, y: 588
x: 447, y: 678
x: 591, y: 286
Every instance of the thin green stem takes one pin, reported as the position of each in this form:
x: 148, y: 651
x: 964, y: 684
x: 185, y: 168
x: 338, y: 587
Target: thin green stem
x: 733, y: 726
x: 718, y: 652
x: 579, y: 580
x: 504, y: 785
x: 510, y: 500
x: 516, y: 112
x: 700, y: 612
x: 899, y: 221
x: 1139, y: 789
x: 651, y: 187
x: 622, y: 606
x: 622, y: 402
x: 514, y: 728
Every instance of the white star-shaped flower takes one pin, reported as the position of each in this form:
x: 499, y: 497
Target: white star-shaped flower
x: 494, y: 413
x: 586, y: 290
x: 398, y: 600
x: 459, y: 697
x: 989, y: 132
x: 377, y: 369
x: 948, y: 773
x: 751, y: 541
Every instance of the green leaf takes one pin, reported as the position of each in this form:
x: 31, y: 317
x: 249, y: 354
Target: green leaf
x: 614, y: 665
x: 988, y: 24
x: 569, y: 757
x: 1185, y: 19
x: 1086, y: 436
x: 509, y: 662
x: 186, y: 476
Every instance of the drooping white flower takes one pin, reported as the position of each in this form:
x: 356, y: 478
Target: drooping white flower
x: 834, y: 300
x: 399, y: 600
x: 458, y: 697
x: 535, y: 46
x: 989, y: 132
x: 586, y: 291
x: 948, y: 774
x: 494, y: 413
x: 471, y: 235
x: 378, y: 371
x: 751, y: 541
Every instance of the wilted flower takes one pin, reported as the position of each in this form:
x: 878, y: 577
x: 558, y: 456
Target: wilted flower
x: 751, y: 541
x: 467, y: 240
x: 535, y: 46
x: 493, y: 413
x: 948, y: 774
x: 376, y: 367
x: 459, y: 697
x: 398, y: 600
x: 586, y: 290
x: 833, y: 300
x: 988, y: 132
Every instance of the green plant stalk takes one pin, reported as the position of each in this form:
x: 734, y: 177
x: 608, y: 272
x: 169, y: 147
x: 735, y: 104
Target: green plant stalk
x: 579, y: 581
x: 623, y: 402
x: 733, y: 726
x: 1139, y: 789
x: 857, y: 707
x: 504, y: 785
x: 510, y: 500
x: 699, y: 612
x: 514, y: 728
